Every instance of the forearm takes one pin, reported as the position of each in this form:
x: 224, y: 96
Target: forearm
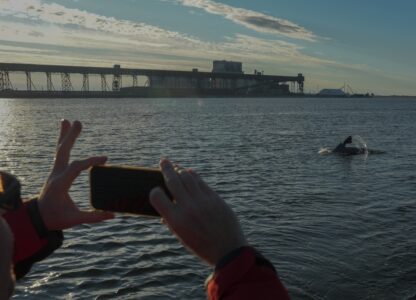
x: 245, y: 274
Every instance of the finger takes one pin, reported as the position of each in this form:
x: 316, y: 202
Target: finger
x: 177, y: 168
x: 65, y: 126
x: 95, y: 216
x: 65, y: 147
x: 189, y: 182
x: 77, y: 166
x: 172, y: 181
x: 202, y: 185
x: 163, y: 205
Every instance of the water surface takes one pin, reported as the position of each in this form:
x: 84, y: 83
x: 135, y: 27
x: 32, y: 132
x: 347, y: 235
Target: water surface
x: 334, y: 227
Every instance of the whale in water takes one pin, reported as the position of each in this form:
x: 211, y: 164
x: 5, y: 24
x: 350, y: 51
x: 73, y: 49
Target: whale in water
x: 343, y: 149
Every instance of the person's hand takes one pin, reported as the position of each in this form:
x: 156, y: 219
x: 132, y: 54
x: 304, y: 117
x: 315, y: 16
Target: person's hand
x: 201, y: 220
x: 6, y: 254
x: 56, y: 207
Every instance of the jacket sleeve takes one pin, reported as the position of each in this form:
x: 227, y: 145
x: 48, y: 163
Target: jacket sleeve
x: 245, y: 274
x: 32, y: 241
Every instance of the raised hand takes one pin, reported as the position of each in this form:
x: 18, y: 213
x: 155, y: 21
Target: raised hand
x: 56, y: 207
x: 201, y: 220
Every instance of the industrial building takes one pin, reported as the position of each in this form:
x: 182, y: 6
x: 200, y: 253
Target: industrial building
x: 226, y: 79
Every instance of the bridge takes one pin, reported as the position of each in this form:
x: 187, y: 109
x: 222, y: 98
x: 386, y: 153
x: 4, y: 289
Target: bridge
x: 156, y: 79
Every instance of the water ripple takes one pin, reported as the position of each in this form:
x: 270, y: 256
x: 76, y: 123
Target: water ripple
x: 334, y: 227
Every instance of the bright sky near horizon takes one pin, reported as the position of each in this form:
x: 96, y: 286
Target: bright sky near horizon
x: 369, y: 45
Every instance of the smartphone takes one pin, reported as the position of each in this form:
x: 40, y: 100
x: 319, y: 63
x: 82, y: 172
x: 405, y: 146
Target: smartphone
x: 124, y: 189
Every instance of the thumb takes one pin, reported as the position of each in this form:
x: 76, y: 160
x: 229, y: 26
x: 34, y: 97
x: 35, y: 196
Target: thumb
x: 94, y: 216
x: 163, y: 205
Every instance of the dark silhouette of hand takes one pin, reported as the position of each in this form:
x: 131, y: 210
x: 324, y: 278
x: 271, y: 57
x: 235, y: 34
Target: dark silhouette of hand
x: 200, y: 219
x: 57, y: 208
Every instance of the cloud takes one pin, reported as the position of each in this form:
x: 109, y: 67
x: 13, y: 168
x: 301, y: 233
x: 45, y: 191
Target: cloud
x: 37, y: 22
x: 14, y: 49
x: 35, y: 10
x: 36, y: 33
x: 81, y: 37
x: 254, y: 20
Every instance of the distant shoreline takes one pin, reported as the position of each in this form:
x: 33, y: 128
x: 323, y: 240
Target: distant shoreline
x: 175, y: 93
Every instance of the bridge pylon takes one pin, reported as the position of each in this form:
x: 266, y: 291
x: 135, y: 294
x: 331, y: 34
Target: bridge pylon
x: 66, y: 82
x: 5, y: 83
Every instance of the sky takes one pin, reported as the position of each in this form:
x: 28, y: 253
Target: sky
x: 367, y: 45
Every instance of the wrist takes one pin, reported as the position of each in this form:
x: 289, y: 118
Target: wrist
x: 36, y: 218
x: 229, y: 247
x: 234, y: 254
x: 229, y: 257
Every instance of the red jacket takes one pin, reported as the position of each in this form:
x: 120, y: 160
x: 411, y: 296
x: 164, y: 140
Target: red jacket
x: 32, y: 241
x: 244, y: 274
x: 248, y: 275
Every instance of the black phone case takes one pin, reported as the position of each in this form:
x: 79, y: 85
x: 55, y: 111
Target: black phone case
x: 124, y: 189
